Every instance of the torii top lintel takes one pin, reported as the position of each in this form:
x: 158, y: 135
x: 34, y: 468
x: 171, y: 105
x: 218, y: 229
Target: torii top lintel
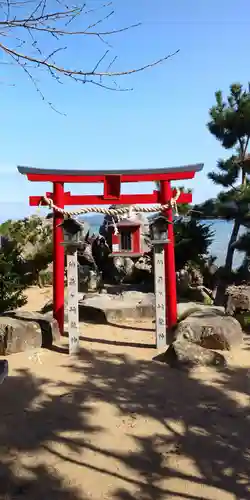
x: 112, y: 180
x: 88, y: 176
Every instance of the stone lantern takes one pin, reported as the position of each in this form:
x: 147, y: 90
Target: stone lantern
x: 72, y: 231
x: 159, y: 230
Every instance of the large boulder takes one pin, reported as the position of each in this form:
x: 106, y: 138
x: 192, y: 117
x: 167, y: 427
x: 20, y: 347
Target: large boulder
x: 123, y: 269
x: 188, y: 276
x: 47, y: 324
x: 184, y: 355
x: 89, y: 280
x: 45, y: 277
x: 189, y: 281
x: 210, y: 274
x: 210, y: 329
x: 238, y: 299
x: 18, y: 335
x: 111, y: 307
x: 145, y: 263
x: 244, y: 319
x: 143, y: 271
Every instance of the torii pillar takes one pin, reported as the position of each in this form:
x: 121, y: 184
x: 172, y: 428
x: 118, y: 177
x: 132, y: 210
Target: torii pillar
x: 58, y: 256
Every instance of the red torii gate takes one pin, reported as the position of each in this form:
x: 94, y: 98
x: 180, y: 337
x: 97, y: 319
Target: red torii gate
x: 112, y: 181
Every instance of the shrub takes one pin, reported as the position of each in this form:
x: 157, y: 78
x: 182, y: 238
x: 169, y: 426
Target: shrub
x: 33, y: 238
x: 192, y: 240
x: 11, y: 286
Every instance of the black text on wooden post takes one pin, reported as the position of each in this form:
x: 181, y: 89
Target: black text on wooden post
x: 159, y: 238
x: 72, y: 229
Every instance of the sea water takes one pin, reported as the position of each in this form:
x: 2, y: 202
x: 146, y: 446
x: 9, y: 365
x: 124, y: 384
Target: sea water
x: 222, y: 233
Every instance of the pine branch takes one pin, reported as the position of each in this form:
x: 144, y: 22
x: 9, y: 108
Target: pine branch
x: 243, y: 243
x: 230, y: 125
x: 230, y: 120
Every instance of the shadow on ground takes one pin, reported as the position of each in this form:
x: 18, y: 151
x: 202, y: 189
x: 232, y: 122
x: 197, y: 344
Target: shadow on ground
x: 212, y: 432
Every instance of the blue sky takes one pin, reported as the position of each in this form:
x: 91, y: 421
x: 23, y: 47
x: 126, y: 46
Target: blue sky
x: 161, y: 123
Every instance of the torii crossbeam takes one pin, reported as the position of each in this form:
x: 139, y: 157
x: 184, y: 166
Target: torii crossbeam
x: 111, y: 180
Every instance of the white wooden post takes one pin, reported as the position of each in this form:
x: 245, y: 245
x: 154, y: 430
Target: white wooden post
x: 73, y: 314
x: 160, y: 296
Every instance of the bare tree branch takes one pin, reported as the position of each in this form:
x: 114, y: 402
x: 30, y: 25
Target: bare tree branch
x: 27, y: 26
x: 69, y: 72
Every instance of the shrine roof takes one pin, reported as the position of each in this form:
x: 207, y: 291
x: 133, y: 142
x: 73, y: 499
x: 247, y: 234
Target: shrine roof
x: 131, y: 175
x: 129, y: 222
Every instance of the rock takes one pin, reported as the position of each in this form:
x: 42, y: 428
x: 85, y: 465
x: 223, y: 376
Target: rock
x: 89, y: 280
x: 48, y: 307
x: 244, y: 320
x: 103, y: 308
x: 95, y: 281
x: 18, y: 335
x: 184, y: 355
x: 143, y: 271
x: 95, y: 252
x: 189, y: 282
x: 123, y: 268
x: 144, y: 264
x: 188, y: 276
x: 85, y: 254
x: 182, y: 281
x: 238, y: 299
x: 45, y: 277
x: 210, y: 329
x: 85, y: 230
x: 200, y: 294
x: 210, y: 273
x: 185, y: 309
x: 48, y: 325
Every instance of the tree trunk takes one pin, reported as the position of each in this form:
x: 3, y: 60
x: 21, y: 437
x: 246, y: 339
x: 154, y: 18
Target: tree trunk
x: 230, y: 248
x: 225, y: 278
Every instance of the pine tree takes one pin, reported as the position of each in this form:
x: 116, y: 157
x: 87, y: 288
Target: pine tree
x: 230, y: 124
x: 205, y: 210
x: 192, y: 241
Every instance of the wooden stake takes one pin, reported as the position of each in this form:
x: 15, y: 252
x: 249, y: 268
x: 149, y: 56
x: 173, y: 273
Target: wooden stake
x: 73, y: 314
x: 160, y: 297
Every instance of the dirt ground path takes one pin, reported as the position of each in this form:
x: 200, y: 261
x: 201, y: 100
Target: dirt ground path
x: 113, y: 424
